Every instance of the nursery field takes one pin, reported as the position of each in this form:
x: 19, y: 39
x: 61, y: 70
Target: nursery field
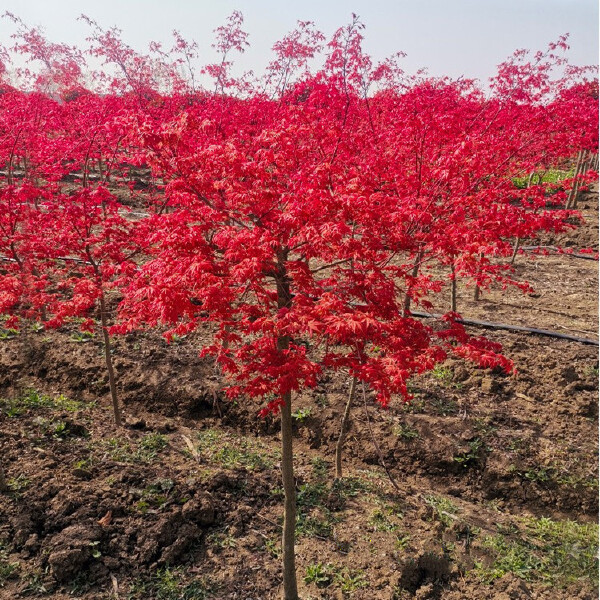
x: 492, y: 489
x: 325, y: 332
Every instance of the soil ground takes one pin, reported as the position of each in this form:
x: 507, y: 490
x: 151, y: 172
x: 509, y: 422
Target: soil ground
x: 492, y: 489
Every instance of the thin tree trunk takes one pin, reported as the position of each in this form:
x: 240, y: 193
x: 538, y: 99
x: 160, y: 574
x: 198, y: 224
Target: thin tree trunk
x: 414, y: 273
x: 477, y: 292
x: 3, y: 484
x: 453, y: 289
x: 343, y: 429
x: 573, y: 191
x: 109, y: 365
x: 290, y: 585
x: 515, y: 250
x: 583, y: 170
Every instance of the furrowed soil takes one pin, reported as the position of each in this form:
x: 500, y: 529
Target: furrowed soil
x: 483, y: 486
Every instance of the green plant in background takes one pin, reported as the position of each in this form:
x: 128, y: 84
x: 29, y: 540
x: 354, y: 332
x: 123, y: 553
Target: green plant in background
x: 350, y: 580
x: 82, y: 337
x: 556, y: 552
x: 406, y: 432
x: 8, y: 569
x: 380, y: 521
x: 221, y: 539
x: 219, y: 448
x: 8, y: 334
x: 445, y: 511
x: 18, y: 484
x: 476, y: 449
x: 302, y: 414
x: 169, y: 584
x: 32, y: 399
x: 442, y: 373
x: 319, y: 574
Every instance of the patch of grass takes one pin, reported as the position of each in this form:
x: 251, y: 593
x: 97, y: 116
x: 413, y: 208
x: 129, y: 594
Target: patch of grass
x: 442, y: 374
x: 8, y: 569
x: 350, y: 580
x: 445, y: 511
x: 18, y: 484
x: 151, y: 445
x: 82, y: 337
x: 473, y: 455
x: 302, y: 414
x: 323, y: 575
x: 402, y: 541
x: 54, y: 428
x: 443, y: 407
x: 320, y: 574
x: 319, y: 525
x: 221, y: 539
x: 556, y: 474
x: 34, y: 584
x: 8, y: 334
x: 380, y: 521
x: 350, y: 487
x: 311, y: 494
x: 155, y: 496
x: 406, y: 432
x: 221, y: 449
x: 273, y: 547
x: 552, y: 176
x: 170, y: 584
x: 556, y: 552
x: 85, y: 464
x: 32, y: 399
x: 121, y: 450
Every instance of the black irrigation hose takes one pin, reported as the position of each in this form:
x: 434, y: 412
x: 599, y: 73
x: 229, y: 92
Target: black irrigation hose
x: 558, y: 252
x: 504, y: 326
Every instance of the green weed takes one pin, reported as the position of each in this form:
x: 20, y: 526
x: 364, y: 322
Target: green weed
x: 8, y: 569
x: 476, y: 449
x: 319, y: 574
x: 219, y: 448
x: 32, y: 399
x: 18, y: 484
x: 169, y: 584
x: 406, y: 432
x: 146, y: 451
x: 555, y: 552
x: 302, y: 414
x: 380, y: 521
x: 443, y: 509
x: 82, y: 337
x: 221, y: 539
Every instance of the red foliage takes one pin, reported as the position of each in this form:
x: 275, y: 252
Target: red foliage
x: 300, y: 222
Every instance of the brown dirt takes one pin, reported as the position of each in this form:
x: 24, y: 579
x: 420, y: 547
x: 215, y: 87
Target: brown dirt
x: 96, y: 514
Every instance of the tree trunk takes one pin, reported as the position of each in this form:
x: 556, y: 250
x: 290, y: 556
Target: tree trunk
x: 414, y: 273
x: 477, y: 292
x: 3, y: 484
x: 290, y: 585
x: 109, y: 366
x: 343, y: 429
x: 582, y: 172
x: 453, y: 289
x: 515, y: 251
x: 573, y: 191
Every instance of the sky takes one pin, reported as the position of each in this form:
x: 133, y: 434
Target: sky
x: 450, y: 37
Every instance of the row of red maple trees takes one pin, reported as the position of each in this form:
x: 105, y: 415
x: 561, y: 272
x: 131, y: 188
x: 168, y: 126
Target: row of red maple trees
x: 294, y: 218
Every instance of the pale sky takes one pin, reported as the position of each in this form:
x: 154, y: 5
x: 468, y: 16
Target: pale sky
x: 449, y: 37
